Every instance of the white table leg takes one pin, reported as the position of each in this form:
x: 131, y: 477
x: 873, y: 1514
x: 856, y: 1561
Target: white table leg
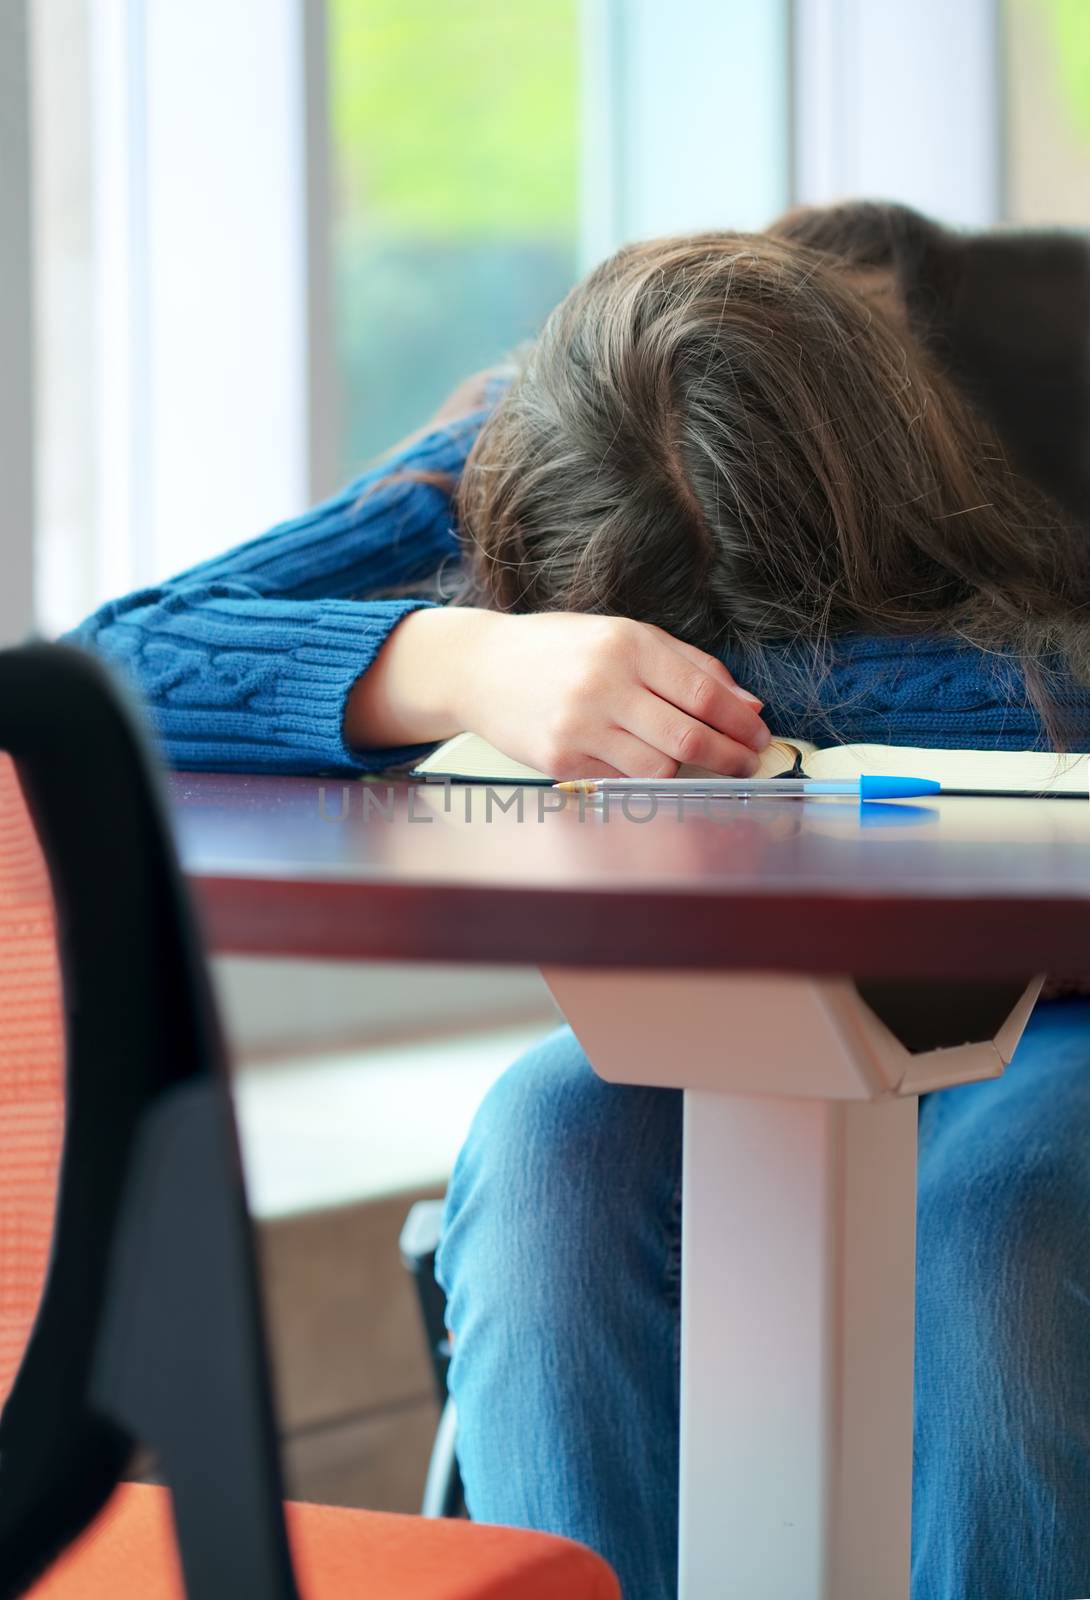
x: 797, y: 1348
x: 798, y: 1275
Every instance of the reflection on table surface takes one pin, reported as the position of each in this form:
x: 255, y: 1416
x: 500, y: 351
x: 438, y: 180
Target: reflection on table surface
x: 313, y: 828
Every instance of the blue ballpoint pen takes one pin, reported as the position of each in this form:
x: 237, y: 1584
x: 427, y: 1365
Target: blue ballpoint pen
x: 864, y: 787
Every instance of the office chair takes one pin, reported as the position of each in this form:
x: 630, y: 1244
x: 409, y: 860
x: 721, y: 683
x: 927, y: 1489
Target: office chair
x: 129, y: 1302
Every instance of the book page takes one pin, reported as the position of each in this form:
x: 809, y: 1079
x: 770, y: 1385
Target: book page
x: 1025, y: 772
x: 783, y: 758
x: 470, y: 759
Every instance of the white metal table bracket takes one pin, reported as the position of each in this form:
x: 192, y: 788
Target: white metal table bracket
x: 798, y: 1262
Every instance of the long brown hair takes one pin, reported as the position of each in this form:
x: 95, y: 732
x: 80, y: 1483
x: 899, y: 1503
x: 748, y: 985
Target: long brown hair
x: 747, y: 438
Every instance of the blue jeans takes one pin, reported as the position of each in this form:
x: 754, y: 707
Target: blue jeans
x: 561, y: 1258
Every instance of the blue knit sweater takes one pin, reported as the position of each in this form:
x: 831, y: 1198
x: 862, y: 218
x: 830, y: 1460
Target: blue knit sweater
x: 245, y: 662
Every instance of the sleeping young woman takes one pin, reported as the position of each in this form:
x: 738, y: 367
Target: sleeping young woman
x: 833, y: 479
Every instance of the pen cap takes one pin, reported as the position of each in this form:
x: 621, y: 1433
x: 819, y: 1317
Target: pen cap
x: 879, y: 788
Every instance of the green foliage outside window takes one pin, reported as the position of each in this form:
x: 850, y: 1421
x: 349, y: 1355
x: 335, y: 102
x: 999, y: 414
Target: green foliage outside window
x: 454, y: 129
x: 1070, y: 26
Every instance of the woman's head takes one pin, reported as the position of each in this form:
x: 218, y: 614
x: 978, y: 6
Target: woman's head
x: 744, y: 438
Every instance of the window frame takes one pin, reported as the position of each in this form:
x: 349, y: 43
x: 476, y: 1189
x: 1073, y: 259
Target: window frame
x: 646, y: 169
x: 17, y: 387
x: 168, y: 488
x: 862, y: 130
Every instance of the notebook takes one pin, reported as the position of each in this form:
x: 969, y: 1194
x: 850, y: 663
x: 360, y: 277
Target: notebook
x: 467, y: 758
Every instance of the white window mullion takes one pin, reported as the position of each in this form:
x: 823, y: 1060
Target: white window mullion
x: 201, y: 253
x: 322, y: 390
x: 16, y: 323
x: 122, y: 353
x: 601, y: 227
x: 227, y: 250
x: 899, y: 101
x: 686, y: 117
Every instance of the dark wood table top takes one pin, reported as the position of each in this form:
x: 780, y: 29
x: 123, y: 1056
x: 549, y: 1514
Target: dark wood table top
x: 953, y: 888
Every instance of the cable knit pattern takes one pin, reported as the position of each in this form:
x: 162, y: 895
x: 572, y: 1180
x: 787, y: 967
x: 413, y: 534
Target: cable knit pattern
x: 245, y: 662
x: 909, y: 691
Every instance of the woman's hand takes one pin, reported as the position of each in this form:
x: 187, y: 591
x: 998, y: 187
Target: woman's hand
x: 588, y: 696
x: 573, y: 695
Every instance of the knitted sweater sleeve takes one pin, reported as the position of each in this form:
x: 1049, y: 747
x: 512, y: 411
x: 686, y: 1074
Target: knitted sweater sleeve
x: 245, y: 662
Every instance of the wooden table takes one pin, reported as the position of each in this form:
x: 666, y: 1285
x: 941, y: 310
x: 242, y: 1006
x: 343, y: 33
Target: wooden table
x: 802, y: 970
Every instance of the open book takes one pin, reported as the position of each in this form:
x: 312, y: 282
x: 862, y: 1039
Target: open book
x: 467, y: 758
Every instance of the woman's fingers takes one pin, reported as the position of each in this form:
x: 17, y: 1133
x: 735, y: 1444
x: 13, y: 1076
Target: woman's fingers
x: 687, y: 741
x: 688, y: 695
x: 617, y: 754
x: 633, y: 757
x: 709, y: 664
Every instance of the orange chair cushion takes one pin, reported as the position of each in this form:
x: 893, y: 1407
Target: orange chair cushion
x: 129, y: 1554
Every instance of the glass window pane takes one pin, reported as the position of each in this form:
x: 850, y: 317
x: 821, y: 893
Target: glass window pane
x: 455, y: 196
x: 1046, y: 51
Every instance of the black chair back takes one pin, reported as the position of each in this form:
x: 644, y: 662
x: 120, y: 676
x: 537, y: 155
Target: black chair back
x: 149, y: 1326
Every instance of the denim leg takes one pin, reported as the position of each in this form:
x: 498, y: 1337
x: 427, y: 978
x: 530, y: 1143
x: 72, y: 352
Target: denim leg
x: 561, y: 1257
x: 561, y: 1260
x: 1002, y: 1449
